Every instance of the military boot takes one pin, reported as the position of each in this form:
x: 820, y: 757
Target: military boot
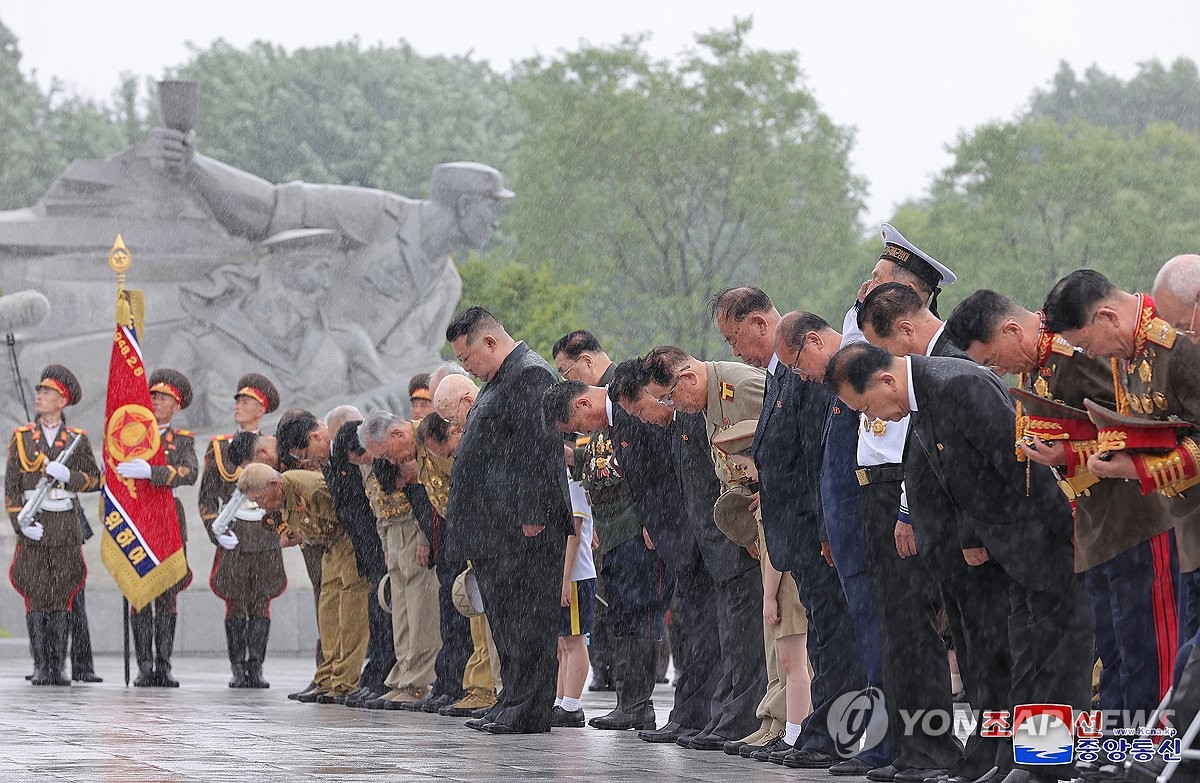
x: 141, y: 624
x: 58, y: 625
x: 36, y: 623
x: 235, y: 638
x: 635, y: 686
x: 164, y: 643
x: 256, y: 640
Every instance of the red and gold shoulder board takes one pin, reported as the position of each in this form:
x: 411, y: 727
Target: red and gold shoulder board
x: 726, y: 390
x: 25, y: 428
x: 218, y: 438
x: 76, y: 431
x: 186, y: 433
x: 1161, y: 333
x: 1061, y: 346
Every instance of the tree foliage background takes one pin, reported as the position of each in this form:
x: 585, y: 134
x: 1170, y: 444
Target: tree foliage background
x: 643, y: 185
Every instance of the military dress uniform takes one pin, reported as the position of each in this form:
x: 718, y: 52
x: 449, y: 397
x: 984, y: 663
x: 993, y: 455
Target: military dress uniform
x: 154, y: 626
x: 49, y: 572
x: 1124, y: 547
x: 248, y: 577
x: 637, y: 582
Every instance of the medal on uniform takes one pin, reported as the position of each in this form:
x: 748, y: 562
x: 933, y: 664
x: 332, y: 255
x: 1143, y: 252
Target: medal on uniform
x: 1160, y: 400
x: 1135, y: 402
x: 878, y: 427
x: 1145, y: 372
x: 1041, y: 388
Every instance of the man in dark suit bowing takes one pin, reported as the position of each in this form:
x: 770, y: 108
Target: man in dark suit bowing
x: 787, y: 450
x: 510, y: 515
x: 961, y: 435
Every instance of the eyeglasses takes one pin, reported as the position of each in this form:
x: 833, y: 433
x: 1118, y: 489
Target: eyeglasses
x: 566, y: 374
x: 1191, y: 330
x: 666, y: 399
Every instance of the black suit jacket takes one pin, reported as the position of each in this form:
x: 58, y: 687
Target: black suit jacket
x: 353, y: 509
x: 787, y: 450
x: 699, y: 488
x: 644, y: 452
x: 509, y: 469
x: 962, y: 436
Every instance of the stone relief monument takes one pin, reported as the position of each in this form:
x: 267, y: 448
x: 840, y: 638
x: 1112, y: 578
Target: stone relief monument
x: 337, y: 293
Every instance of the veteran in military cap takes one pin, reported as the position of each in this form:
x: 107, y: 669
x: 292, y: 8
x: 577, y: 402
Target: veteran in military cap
x: 48, y: 568
x: 154, y: 626
x: 247, y: 621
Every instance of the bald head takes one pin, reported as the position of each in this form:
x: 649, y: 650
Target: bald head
x: 1177, y: 291
x: 340, y: 415
x: 453, y: 398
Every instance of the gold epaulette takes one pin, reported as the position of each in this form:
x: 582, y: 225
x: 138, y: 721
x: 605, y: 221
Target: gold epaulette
x: 27, y: 465
x: 219, y: 460
x: 76, y: 430
x: 1161, y: 332
x: 582, y: 441
x: 188, y: 433
x: 25, y: 428
x: 1061, y: 346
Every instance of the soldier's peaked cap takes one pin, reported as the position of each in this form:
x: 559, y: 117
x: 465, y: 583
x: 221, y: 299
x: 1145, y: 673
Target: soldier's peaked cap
x: 167, y: 381
x: 63, y: 381
x: 259, y: 388
x: 451, y: 179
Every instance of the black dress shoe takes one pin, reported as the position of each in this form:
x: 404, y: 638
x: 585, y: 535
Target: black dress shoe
x: 331, y: 698
x: 850, y: 768
x: 435, y: 704
x: 86, y: 677
x: 562, y: 719
x: 620, y: 719
x: 883, y: 774
x: 310, y: 697
x: 733, y: 746
x: 709, y: 742
x: 668, y: 733
x: 774, y: 746
x: 504, y: 728
x: 312, y: 686
x: 480, y: 713
x: 917, y: 774
x: 807, y: 758
x: 685, y: 737
x: 378, y: 703
x: 477, y: 723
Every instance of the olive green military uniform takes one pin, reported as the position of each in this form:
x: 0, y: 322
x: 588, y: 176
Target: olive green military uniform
x: 342, y: 614
x: 413, y: 589
x: 735, y: 393
x: 48, y: 573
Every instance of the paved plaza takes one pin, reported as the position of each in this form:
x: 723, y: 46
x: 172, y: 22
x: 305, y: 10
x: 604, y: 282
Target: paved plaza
x: 207, y: 732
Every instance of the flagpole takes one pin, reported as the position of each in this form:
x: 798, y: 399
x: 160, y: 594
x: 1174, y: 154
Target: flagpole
x: 119, y: 262
x: 125, y: 614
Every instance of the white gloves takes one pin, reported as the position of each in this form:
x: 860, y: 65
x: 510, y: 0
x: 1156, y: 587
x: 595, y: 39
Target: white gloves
x: 134, y: 469
x: 34, y: 532
x: 228, y: 539
x: 58, y: 471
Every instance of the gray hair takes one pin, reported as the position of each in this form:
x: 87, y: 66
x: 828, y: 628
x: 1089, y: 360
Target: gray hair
x: 376, y: 426
x: 439, y: 375
x: 1180, y: 277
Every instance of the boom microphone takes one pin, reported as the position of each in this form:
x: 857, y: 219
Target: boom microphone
x: 23, y: 310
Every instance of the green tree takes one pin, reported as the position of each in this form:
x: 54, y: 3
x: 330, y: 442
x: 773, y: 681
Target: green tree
x: 381, y: 117
x: 533, y: 305
x: 28, y: 155
x: 1156, y: 94
x: 661, y: 181
x: 1027, y: 202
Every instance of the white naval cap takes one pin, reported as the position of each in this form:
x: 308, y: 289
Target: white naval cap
x: 903, y: 253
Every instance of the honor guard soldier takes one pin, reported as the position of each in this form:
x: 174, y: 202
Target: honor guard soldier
x: 48, y: 569
x: 1124, y: 548
x: 247, y: 591
x: 154, y: 626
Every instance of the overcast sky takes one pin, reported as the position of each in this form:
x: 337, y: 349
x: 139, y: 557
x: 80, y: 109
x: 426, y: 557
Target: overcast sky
x: 908, y: 75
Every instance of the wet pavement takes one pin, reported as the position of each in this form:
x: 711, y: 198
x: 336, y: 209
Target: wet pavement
x: 207, y: 732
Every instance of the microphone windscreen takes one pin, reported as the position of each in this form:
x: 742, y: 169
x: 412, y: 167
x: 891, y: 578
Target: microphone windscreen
x: 23, y: 310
